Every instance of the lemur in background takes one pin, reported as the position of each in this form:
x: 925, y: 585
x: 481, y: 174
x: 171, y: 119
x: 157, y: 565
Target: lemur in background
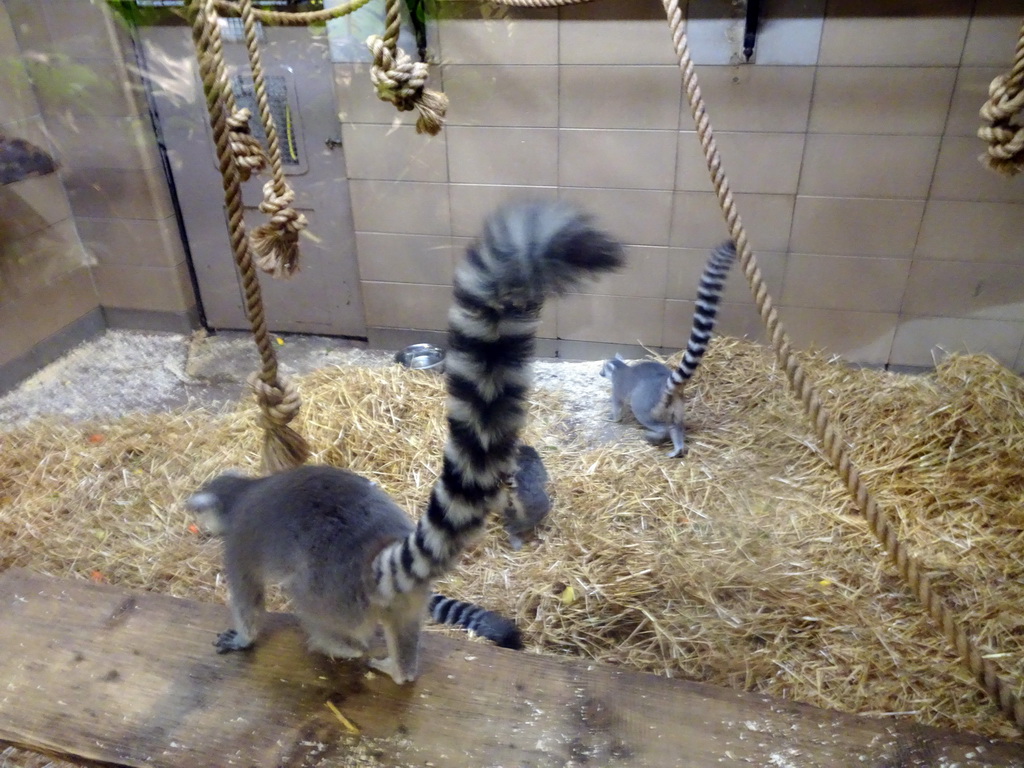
x: 653, y: 391
x: 349, y: 557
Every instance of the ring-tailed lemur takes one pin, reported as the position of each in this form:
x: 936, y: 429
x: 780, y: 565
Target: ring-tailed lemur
x: 655, y: 393
x: 528, y: 500
x: 350, y: 557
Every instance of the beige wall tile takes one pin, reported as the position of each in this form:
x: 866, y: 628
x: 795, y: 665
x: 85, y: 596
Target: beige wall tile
x: 90, y: 87
x: 754, y: 162
x: 959, y: 175
x: 615, y: 32
x: 133, y: 242
x: 405, y: 258
x: 754, y: 98
x: 501, y: 95
x: 616, y: 159
x: 503, y: 155
x: 926, y: 340
x: 868, y: 166
x: 643, y: 275
x: 32, y: 204
x: 393, y: 152
x: 855, y: 226
x: 632, y: 216
x: 970, y: 93
x: 992, y: 35
x: 619, y: 97
x: 862, y: 283
x: 909, y: 33
x: 966, y: 231
x: 41, y: 258
x: 697, y: 220
x: 158, y: 289
x: 423, y: 207
x: 19, y: 101
x: 400, y: 305
x: 965, y: 289
x: 106, y: 193
x: 471, y: 203
x: 861, y: 337
x: 472, y: 33
x: 45, y: 311
x: 77, y: 28
x: 884, y: 100
x: 615, y: 319
x: 685, y: 266
x: 27, y: 18
x: 739, y: 320
x: 119, y: 143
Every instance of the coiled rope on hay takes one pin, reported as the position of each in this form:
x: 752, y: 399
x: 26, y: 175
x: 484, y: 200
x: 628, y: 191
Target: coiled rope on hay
x: 277, y: 397
x: 910, y: 568
x: 1003, y: 114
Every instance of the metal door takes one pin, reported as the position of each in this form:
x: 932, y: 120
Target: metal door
x: 324, y: 296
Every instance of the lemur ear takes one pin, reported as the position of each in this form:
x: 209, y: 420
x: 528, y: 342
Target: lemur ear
x: 619, y: 357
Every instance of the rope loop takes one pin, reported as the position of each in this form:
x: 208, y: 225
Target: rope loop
x: 402, y: 81
x: 275, y: 244
x: 250, y: 159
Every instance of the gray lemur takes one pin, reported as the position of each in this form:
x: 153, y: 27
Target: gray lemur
x: 528, y: 501
x: 653, y: 391
x: 348, y: 556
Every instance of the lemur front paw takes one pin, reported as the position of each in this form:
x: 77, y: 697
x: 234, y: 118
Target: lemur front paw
x: 228, y: 641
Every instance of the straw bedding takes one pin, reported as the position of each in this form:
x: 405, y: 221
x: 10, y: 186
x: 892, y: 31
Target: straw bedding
x: 743, y: 565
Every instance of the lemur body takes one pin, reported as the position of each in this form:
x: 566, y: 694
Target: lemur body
x: 349, y: 556
x: 653, y: 391
x: 528, y: 502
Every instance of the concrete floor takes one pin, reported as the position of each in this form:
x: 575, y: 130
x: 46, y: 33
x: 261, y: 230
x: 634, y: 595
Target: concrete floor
x: 123, y: 371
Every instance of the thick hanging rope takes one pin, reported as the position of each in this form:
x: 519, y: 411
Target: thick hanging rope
x: 249, y: 156
x: 300, y: 19
x: 1003, y: 114
x: 834, y: 443
x: 401, y: 80
x: 276, y: 243
x: 277, y: 398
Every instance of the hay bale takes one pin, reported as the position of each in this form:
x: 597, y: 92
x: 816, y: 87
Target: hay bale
x: 743, y: 565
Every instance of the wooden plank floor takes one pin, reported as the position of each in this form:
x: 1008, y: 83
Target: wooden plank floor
x: 132, y: 679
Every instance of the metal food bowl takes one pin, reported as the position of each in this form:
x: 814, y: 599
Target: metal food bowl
x: 423, y: 357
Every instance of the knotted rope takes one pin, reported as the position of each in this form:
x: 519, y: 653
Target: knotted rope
x: 832, y: 440
x: 401, y: 80
x: 1003, y: 114
x: 282, y: 447
x: 250, y: 159
x: 276, y: 243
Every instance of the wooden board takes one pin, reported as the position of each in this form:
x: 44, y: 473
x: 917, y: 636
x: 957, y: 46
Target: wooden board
x: 132, y: 679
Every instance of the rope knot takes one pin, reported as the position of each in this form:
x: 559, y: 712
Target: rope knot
x: 402, y: 81
x: 249, y: 156
x: 279, y: 402
x: 276, y: 243
x: 1005, y: 130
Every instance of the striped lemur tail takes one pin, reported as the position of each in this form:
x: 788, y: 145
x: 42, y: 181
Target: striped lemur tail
x: 709, y: 292
x: 495, y: 627
x: 526, y: 253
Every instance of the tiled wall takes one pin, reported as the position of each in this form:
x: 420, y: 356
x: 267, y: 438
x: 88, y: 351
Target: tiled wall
x: 850, y: 145
x: 45, y: 285
x: 93, y: 112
